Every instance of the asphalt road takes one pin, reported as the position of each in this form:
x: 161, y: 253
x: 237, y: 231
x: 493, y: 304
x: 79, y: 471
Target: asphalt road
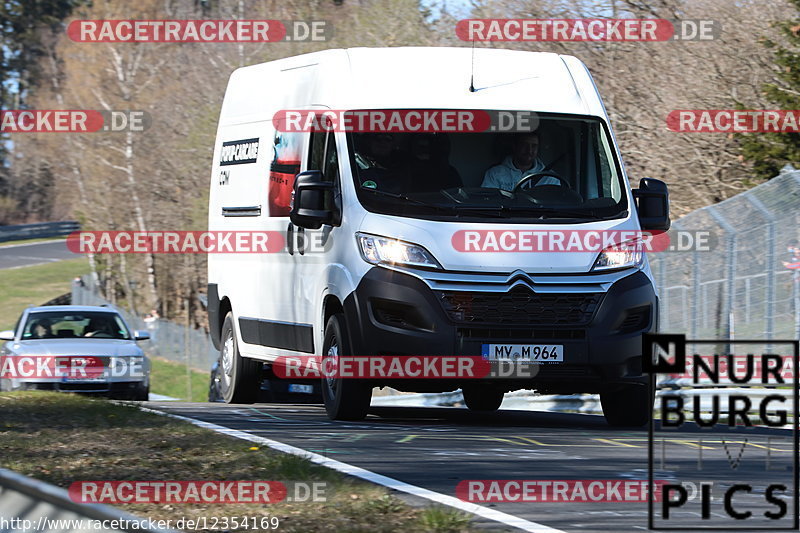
x: 435, y: 448
x: 19, y: 255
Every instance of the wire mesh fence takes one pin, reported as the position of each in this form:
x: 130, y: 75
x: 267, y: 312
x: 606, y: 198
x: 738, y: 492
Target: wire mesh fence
x: 170, y: 340
x: 747, y: 285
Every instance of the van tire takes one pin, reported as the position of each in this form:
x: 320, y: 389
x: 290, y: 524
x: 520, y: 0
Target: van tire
x: 239, y: 377
x: 628, y: 405
x: 345, y: 399
x: 482, y: 398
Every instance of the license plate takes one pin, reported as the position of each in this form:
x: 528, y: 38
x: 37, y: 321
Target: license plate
x: 89, y: 378
x: 304, y: 389
x: 534, y: 353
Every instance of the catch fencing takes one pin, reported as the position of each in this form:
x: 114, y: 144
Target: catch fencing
x: 170, y: 340
x: 748, y: 285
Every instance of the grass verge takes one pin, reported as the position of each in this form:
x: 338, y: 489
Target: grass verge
x: 169, y: 378
x: 34, y: 285
x: 63, y: 438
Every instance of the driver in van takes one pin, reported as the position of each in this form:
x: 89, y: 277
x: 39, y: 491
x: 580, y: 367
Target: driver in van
x: 521, y: 162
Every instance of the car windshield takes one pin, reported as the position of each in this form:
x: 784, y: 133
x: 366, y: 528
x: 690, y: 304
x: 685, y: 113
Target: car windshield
x: 564, y: 170
x: 74, y: 325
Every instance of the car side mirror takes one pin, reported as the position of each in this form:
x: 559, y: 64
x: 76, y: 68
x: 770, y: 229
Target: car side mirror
x: 308, y: 200
x: 652, y: 202
x: 7, y: 335
x: 141, y: 335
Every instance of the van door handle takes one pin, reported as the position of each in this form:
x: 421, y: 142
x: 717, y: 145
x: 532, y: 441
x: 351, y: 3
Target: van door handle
x: 290, y: 238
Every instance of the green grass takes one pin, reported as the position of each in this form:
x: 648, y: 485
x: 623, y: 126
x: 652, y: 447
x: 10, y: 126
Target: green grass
x: 83, y: 439
x: 34, y: 285
x: 169, y: 378
x: 441, y: 519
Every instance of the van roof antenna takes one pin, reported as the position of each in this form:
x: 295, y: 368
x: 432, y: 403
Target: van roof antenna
x: 472, y: 72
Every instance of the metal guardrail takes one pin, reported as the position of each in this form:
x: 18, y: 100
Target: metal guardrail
x: 28, y: 504
x: 41, y: 230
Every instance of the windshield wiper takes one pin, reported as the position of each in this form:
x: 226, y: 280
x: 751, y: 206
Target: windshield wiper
x: 554, y: 212
x: 507, y: 211
x: 499, y: 211
x: 414, y: 201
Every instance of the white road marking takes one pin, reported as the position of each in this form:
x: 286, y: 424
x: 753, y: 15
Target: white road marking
x: 4, y: 246
x: 370, y: 476
x: 26, y: 266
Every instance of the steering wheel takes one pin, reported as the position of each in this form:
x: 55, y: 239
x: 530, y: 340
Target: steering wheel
x: 537, y: 177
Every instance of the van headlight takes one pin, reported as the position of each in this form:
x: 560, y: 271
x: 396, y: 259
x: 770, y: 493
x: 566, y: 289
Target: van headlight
x: 623, y: 255
x: 382, y: 250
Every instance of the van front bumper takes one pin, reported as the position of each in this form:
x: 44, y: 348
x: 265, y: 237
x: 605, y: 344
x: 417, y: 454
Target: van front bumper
x: 394, y: 313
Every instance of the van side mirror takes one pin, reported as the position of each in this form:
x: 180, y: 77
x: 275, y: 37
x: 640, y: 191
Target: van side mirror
x: 652, y: 202
x: 308, y: 200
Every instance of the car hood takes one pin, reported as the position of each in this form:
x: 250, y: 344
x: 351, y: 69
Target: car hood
x: 93, y: 347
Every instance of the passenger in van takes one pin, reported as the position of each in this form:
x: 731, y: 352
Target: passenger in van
x: 378, y: 162
x: 521, y: 162
x: 428, y: 166
x: 381, y: 151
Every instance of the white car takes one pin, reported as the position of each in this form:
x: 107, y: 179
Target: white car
x: 75, y: 348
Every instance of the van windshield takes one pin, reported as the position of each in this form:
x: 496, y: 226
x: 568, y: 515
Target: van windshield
x: 565, y: 170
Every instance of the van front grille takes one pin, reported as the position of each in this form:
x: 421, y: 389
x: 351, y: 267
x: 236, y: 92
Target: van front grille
x: 521, y: 307
x: 496, y: 333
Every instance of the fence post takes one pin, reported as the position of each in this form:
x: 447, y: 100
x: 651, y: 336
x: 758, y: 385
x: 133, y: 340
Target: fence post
x: 730, y: 259
x: 187, y: 351
x: 769, y: 312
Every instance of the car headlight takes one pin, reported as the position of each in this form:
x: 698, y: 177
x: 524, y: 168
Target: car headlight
x: 623, y: 255
x: 378, y: 250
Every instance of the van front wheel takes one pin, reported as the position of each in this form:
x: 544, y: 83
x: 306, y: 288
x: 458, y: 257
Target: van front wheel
x: 629, y: 405
x: 239, y: 377
x: 482, y: 398
x: 345, y: 398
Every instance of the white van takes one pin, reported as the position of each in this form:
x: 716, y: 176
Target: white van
x: 387, y: 207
